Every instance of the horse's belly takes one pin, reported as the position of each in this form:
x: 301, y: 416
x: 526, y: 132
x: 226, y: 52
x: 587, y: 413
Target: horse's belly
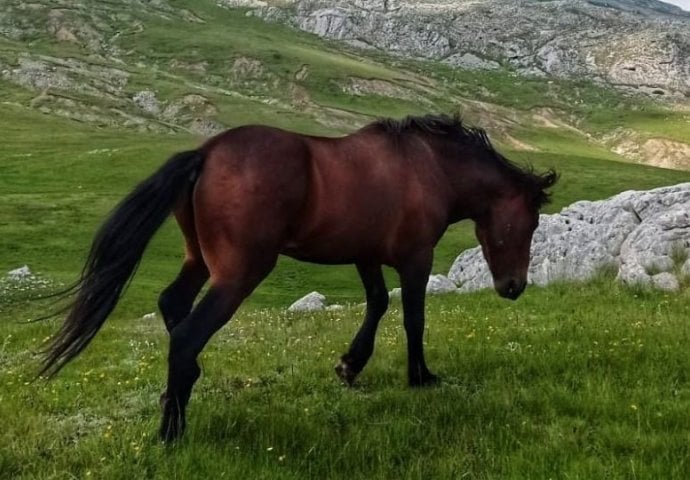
x: 340, y: 245
x: 318, y: 257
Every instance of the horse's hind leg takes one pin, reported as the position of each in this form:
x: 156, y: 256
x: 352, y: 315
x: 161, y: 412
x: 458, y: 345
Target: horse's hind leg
x: 363, y: 344
x: 187, y: 339
x: 244, y: 208
x: 177, y: 299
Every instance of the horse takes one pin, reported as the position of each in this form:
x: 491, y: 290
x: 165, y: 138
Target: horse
x: 383, y: 195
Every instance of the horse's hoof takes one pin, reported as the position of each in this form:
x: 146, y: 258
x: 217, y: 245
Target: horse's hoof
x: 172, y: 428
x: 173, y: 421
x: 163, y: 401
x: 345, y: 373
x: 427, y: 379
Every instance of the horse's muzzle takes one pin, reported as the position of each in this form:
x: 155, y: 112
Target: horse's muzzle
x: 510, y: 288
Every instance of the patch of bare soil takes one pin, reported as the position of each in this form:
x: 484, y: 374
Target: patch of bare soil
x: 655, y: 151
x: 519, y: 145
x: 658, y: 152
x: 383, y: 88
x: 245, y: 68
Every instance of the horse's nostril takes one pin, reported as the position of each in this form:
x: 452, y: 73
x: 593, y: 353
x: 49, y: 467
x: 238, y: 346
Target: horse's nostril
x: 510, y: 288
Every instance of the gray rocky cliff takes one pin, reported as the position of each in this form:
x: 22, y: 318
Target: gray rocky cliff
x: 634, y: 44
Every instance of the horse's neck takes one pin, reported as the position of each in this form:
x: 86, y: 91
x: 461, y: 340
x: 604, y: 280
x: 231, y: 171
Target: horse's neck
x: 477, y: 187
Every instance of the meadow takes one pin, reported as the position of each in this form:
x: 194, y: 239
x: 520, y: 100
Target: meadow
x: 573, y: 381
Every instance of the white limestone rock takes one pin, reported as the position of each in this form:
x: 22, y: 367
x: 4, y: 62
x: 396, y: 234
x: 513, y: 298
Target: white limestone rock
x: 666, y: 282
x: 440, y: 284
x: 20, y: 274
x: 637, y: 233
x: 469, y: 61
x: 312, y: 302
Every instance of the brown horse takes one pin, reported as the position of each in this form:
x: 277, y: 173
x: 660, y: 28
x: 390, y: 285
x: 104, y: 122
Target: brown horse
x: 381, y: 196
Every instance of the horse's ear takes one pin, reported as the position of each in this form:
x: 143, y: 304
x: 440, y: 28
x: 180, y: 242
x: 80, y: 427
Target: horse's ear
x: 542, y: 182
x: 548, y: 179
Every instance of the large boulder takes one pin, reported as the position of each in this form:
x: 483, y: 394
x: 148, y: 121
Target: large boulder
x: 639, y: 234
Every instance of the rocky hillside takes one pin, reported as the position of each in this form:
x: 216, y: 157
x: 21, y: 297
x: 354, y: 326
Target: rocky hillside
x: 639, y: 45
x: 177, y: 66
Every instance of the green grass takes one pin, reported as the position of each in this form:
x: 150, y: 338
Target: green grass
x: 647, y: 118
x: 569, y: 382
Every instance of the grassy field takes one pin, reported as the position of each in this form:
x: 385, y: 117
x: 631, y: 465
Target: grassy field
x: 569, y: 382
x: 572, y: 381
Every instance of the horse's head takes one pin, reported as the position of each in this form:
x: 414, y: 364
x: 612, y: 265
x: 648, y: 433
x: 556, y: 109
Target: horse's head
x: 505, y: 233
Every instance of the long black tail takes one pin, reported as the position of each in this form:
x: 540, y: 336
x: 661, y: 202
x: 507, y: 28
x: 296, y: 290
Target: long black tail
x: 115, y: 255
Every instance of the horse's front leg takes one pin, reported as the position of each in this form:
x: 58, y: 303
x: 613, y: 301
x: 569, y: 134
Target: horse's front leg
x: 362, y: 346
x: 414, y: 275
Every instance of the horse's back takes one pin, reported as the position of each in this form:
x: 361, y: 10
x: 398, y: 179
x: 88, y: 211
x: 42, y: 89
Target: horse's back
x: 327, y: 200
x: 367, y: 200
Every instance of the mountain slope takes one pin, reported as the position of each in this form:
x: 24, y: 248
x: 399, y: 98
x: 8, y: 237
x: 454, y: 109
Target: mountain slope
x: 193, y: 67
x: 640, y: 45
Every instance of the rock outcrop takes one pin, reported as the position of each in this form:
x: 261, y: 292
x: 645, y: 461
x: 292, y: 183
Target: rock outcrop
x: 643, y: 45
x: 644, y: 236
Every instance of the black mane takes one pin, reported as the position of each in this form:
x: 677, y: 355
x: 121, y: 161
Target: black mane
x: 438, y: 125
x: 454, y: 129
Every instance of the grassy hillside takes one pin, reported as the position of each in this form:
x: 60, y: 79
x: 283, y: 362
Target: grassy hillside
x: 242, y: 70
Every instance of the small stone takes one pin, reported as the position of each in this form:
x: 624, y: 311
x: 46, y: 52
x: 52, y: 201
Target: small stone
x: 149, y: 316
x: 147, y: 101
x: 335, y: 307
x: 19, y: 274
x: 65, y: 35
x: 312, y: 302
x: 395, y: 293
